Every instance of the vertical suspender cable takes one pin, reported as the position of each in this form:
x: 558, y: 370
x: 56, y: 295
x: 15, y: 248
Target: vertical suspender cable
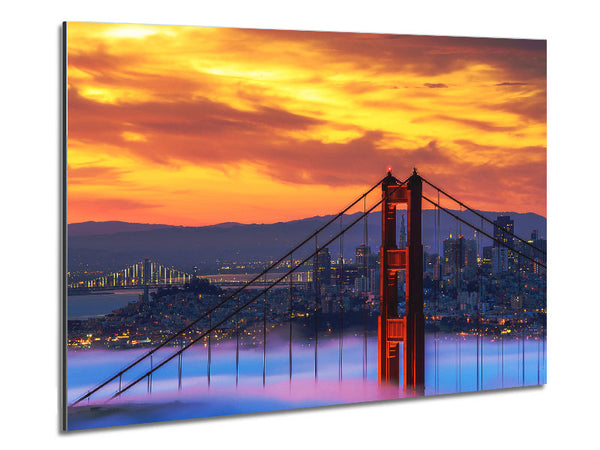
x: 435, y: 294
x: 367, y: 281
x: 264, y: 374
x: 208, y: 361
x: 179, y: 366
x: 150, y: 375
x: 291, y: 315
x: 523, y: 319
x: 441, y: 256
x: 457, y: 284
x: 479, y: 306
x: 237, y: 345
x: 478, y: 312
x: 341, y: 303
x: 316, y: 310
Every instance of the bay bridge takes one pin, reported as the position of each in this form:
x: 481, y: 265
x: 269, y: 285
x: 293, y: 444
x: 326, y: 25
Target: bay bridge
x: 144, y: 273
x: 401, y: 324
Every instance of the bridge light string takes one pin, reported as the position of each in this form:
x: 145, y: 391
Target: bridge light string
x: 249, y: 302
x: 484, y: 218
x: 240, y: 289
x: 135, y: 272
x: 485, y: 234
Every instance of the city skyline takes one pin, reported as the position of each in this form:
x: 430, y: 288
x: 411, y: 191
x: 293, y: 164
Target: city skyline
x: 283, y: 121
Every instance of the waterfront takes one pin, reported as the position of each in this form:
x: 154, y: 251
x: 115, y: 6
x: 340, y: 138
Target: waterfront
x: 96, y: 304
x: 451, y: 366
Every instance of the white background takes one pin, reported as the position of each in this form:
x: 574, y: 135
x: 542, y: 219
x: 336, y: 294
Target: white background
x: 564, y: 413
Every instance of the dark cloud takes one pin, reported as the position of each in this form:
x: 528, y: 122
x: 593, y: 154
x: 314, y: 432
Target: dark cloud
x: 500, y: 187
x: 183, y: 130
x: 530, y: 107
x: 216, y: 135
x: 423, y: 55
x: 211, y: 134
x: 435, y: 85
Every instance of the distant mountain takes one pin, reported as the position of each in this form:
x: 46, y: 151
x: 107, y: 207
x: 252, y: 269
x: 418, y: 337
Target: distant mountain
x: 98, y: 245
x: 112, y: 227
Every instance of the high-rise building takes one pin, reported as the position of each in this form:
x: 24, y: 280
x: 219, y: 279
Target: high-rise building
x: 362, y: 255
x: 486, y: 262
x: 459, y: 253
x: 146, y: 272
x: 361, y: 284
x: 431, y: 264
x: 500, y: 259
x: 460, y: 258
x: 402, y: 237
x: 537, y: 242
x: 506, y: 223
x: 345, y: 274
x: 511, y: 259
x: 322, y: 267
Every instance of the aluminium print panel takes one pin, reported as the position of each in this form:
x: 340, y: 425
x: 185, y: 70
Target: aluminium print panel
x: 260, y: 220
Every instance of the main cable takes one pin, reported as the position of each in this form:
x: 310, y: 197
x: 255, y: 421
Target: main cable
x: 484, y: 218
x: 263, y: 292
x: 190, y: 325
x: 484, y: 233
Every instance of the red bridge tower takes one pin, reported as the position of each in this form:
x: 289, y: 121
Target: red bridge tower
x: 409, y: 329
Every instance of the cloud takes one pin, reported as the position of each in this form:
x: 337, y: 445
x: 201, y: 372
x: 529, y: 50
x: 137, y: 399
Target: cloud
x: 212, y: 134
x: 530, y: 107
x: 103, y: 208
x: 94, y: 174
x: 509, y: 83
x: 472, y: 123
x: 304, y: 108
x: 424, y: 55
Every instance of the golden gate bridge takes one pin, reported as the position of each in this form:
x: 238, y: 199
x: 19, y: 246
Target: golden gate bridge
x: 394, y: 329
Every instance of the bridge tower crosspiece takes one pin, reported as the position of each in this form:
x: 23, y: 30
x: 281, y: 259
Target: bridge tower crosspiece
x: 393, y: 329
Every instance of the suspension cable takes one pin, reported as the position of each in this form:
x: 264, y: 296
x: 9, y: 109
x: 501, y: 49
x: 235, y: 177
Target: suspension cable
x: 483, y: 217
x: 484, y: 233
x: 191, y: 324
x: 263, y: 292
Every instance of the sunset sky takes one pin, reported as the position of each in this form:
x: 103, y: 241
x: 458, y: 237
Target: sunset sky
x: 197, y: 126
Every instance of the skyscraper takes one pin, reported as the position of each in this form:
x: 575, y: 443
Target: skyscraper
x: 402, y: 236
x: 362, y: 255
x: 322, y: 267
x: 510, y: 262
x: 460, y: 258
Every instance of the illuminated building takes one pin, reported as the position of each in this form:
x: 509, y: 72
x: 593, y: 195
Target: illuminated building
x: 505, y: 260
x: 460, y: 257
x: 322, y: 267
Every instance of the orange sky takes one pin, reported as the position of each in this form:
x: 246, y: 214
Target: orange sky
x: 196, y: 126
